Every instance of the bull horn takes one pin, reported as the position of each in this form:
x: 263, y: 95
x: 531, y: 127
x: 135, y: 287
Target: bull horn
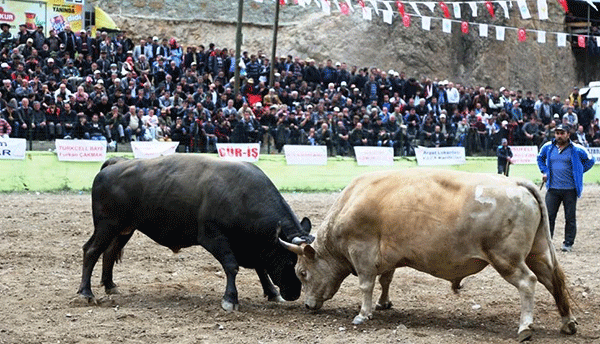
x: 298, y: 241
x: 292, y: 247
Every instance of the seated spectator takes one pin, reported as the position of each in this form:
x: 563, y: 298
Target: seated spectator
x: 96, y: 129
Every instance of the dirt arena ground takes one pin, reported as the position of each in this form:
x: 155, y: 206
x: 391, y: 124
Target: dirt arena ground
x: 168, y: 298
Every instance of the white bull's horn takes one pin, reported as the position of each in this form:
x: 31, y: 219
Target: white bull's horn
x: 292, y: 247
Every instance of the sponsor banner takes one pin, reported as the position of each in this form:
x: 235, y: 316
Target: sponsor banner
x: 13, y: 149
x: 51, y: 14
x: 440, y: 156
x: 81, y: 150
x: 374, y: 156
x: 239, y: 151
x: 305, y: 155
x: 595, y: 152
x: 151, y: 149
x: 524, y: 154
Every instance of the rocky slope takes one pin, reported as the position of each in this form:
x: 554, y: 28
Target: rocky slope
x: 467, y: 59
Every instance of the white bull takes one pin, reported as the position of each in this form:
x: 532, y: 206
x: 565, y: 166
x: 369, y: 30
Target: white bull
x: 445, y: 223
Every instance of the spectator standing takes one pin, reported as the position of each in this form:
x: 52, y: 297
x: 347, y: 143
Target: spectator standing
x: 563, y: 164
x: 504, y: 154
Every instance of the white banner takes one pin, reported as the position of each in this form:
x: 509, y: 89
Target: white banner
x: 80, y: 150
x: 151, y: 149
x: 305, y: 155
x: 374, y: 156
x: 595, y: 152
x: 239, y: 151
x: 13, y: 149
x: 524, y: 155
x: 440, y: 156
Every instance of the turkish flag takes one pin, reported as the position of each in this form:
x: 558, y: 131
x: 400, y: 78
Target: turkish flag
x: 446, y: 10
x: 490, y: 8
x: 344, y: 8
x: 400, y: 6
x: 564, y: 4
x: 581, y: 41
x: 522, y: 35
x: 464, y: 27
x: 361, y: 3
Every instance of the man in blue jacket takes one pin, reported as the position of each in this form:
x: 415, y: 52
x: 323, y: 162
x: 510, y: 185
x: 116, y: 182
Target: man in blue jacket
x: 562, y: 164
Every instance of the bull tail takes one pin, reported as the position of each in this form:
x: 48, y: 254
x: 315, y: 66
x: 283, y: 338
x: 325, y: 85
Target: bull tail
x: 112, y: 161
x: 559, y: 291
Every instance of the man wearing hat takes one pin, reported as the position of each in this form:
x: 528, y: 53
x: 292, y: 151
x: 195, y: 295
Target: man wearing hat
x: 6, y: 38
x: 22, y: 35
x: 563, y: 164
x: 504, y: 154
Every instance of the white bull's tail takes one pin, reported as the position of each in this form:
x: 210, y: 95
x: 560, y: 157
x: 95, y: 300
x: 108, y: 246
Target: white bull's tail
x: 559, y: 289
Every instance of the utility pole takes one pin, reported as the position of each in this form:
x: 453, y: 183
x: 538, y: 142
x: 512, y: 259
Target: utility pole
x: 238, y: 47
x: 274, y: 49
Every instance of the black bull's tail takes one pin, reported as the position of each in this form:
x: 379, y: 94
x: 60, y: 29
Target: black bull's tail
x: 560, y: 292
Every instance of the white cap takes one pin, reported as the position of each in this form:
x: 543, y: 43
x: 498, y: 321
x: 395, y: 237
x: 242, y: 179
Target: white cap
x: 50, y: 60
x: 338, y: 64
x: 343, y: 83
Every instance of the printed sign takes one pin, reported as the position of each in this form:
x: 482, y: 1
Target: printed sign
x: 305, y: 155
x: 81, y: 150
x: 149, y: 150
x: 524, y: 154
x: 13, y: 149
x: 374, y: 156
x: 595, y: 152
x: 440, y: 156
x: 239, y: 151
x: 51, y: 14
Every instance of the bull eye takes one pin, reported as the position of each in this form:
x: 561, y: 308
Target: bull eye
x: 303, y: 273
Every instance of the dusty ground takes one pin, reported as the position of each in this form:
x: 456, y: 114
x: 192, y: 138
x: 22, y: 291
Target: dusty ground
x: 169, y: 298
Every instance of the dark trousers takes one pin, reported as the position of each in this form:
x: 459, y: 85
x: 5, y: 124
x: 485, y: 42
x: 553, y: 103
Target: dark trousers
x: 568, y: 197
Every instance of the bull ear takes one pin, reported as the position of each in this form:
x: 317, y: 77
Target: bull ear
x: 306, y: 225
x: 309, y: 251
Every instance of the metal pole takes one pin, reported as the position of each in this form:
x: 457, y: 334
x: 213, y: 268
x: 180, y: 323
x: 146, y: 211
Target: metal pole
x: 274, y: 49
x: 238, y: 47
x: 587, y: 67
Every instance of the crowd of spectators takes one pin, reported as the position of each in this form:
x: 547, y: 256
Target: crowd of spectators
x: 75, y: 86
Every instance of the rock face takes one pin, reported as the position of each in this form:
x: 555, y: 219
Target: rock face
x: 307, y: 32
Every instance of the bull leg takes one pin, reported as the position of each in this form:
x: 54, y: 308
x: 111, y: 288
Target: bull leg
x: 269, y: 289
x: 524, y: 280
x: 384, y: 300
x: 110, y: 256
x: 366, y: 283
x: 552, y: 277
x: 92, y: 250
x: 216, y: 243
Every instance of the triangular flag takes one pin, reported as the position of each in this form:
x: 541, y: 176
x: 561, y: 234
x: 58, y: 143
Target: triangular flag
x: 598, y: 41
x: 504, y: 8
x: 387, y: 16
x: 415, y: 8
x: 473, y: 6
x: 541, y: 36
x: 426, y: 23
x: 591, y: 3
x: 483, y: 30
x: 456, y: 7
x: 367, y: 15
x: 430, y: 5
x: 374, y: 4
x: 523, y: 9
x: 500, y: 33
x: 349, y: 3
x: 542, y: 6
x: 561, y: 39
x: 446, y: 26
x: 581, y: 41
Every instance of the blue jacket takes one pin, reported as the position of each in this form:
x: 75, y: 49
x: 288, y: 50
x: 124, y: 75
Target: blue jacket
x: 581, y: 160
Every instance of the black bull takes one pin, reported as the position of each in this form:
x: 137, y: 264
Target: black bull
x: 231, y: 209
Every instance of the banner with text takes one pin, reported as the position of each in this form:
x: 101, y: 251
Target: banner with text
x: 305, y: 155
x: 13, y: 149
x: 374, y: 156
x: 524, y: 154
x: 239, y: 151
x: 151, y: 149
x: 595, y: 152
x: 440, y: 156
x: 81, y: 150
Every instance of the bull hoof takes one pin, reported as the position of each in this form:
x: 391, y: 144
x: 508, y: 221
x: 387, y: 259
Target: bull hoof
x: 525, y: 335
x: 112, y: 291
x: 84, y: 300
x: 385, y: 305
x: 276, y: 298
x: 229, y: 307
x: 569, y: 328
x: 360, y: 319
